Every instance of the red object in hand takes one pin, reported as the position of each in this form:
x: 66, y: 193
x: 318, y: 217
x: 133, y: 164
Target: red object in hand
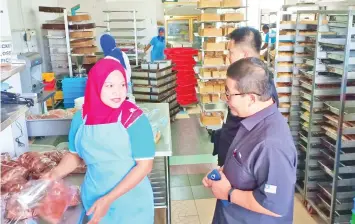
x: 48, y: 86
x: 56, y: 202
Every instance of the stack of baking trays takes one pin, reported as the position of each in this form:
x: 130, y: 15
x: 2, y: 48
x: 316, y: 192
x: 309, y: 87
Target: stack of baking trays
x: 327, y: 127
x: 55, y: 33
x: 183, y: 58
x: 82, y: 42
x: 156, y: 83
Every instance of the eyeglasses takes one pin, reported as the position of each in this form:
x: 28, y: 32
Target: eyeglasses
x: 229, y: 95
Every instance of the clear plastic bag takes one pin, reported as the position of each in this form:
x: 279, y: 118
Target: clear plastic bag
x: 156, y: 121
x: 49, y: 199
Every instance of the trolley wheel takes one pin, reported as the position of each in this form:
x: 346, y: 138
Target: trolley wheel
x: 310, y: 210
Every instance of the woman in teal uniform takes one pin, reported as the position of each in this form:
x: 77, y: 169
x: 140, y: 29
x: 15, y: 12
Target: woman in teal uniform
x: 115, y: 139
x: 158, y: 44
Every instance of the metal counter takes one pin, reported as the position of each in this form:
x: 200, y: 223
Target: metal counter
x: 8, y: 71
x: 10, y: 113
x: 160, y: 175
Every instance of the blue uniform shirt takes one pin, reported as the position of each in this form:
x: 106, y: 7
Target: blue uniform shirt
x: 157, y: 52
x: 273, y: 39
x: 263, y: 159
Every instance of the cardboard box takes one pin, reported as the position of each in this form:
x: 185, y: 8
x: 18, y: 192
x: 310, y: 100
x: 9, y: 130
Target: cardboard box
x: 228, y: 30
x: 211, y: 32
x: 209, y: 4
x: 210, y: 17
x: 233, y: 17
x: 213, y: 61
x: 205, y: 99
x: 209, y: 120
x: 232, y: 3
x: 206, y: 73
x: 215, y: 98
x: 214, y: 46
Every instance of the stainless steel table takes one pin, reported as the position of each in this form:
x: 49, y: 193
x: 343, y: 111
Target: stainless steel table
x: 10, y: 113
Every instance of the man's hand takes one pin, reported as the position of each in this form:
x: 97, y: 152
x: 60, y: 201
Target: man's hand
x: 207, y: 182
x: 221, y: 188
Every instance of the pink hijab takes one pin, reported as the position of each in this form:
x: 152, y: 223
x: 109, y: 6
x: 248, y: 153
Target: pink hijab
x: 95, y: 111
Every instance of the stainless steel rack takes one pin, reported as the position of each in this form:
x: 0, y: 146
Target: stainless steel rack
x: 66, y: 37
x: 326, y: 143
x: 126, y: 39
x: 216, y: 106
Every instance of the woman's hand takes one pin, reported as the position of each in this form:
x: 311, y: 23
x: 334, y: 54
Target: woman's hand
x: 51, y: 175
x: 99, y: 209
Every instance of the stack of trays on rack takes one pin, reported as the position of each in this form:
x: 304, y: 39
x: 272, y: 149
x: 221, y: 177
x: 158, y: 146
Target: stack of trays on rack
x: 73, y: 88
x: 57, y: 46
x: 183, y: 58
x: 327, y: 130
x: 82, y: 41
x: 155, y: 83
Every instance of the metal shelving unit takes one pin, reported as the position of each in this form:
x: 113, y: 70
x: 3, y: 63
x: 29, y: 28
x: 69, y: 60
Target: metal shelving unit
x: 57, y: 54
x: 327, y: 127
x: 125, y: 41
x: 216, y: 105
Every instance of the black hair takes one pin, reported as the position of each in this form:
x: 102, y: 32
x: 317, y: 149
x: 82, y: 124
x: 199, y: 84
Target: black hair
x: 247, y: 36
x: 266, y: 27
x: 251, y: 76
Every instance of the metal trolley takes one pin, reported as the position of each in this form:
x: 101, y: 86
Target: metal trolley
x: 326, y: 132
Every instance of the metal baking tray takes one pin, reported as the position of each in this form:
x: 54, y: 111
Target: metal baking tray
x: 154, y: 89
x: 283, y: 79
x: 284, y: 58
x: 340, y: 57
x: 338, y: 207
x: 284, y: 68
x: 343, y: 193
x: 345, y: 154
x: 339, y: 69
x: 290, y: 38
x: 152, y: 97
x: 349, y: 110
x: 284, y: 110
x: 153, y: 74
x: 154, y: 82
x: 337, y: 42
x: 305, y: 95
x: 286, y: 89
x: 48, y: 127
x: 287, y: 26
x: 286, y: 48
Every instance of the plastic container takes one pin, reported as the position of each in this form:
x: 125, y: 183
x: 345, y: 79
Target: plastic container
x: 69, y: 105
x: 74, y: 95
x: 69, y: 83
x: 48, y: 76
x: 49, y: 86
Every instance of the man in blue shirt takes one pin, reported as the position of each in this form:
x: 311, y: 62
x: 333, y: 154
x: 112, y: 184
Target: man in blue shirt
x: 266, y: 31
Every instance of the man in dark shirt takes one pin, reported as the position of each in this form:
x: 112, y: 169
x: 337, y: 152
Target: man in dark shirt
x: 259, y: 174
x: 244, y: 42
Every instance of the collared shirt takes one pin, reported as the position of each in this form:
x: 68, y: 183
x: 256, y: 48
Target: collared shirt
x: 273, y: 37
x: 263, y: 159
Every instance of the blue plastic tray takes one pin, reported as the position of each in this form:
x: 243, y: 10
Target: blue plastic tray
x: 74, y: 82
x: 69, y: 105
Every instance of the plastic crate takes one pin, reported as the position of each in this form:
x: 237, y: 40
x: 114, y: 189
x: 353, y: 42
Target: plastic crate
x: 48, y: 76
x: 181, y: 51
x: 49, y: 86
x: 69, y: 83
x: 69, y: 105
x: 76, y: 94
